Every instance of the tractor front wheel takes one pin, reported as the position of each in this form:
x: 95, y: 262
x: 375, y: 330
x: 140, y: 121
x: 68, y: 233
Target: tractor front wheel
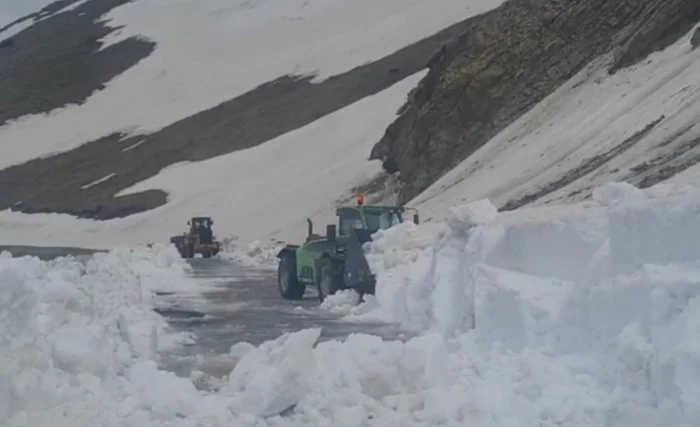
x: 289, y: 287
x: 329, y: 281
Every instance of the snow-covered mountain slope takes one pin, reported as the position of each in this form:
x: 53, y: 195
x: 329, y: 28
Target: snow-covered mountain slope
x: 641, y: 125
x: 256, y: 193
x: 229, y: 48
x: 570, y: 142
x: 577, y: 315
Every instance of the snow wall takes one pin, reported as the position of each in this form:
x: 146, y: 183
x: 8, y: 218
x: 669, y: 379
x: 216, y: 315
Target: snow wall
x: 584, y: 315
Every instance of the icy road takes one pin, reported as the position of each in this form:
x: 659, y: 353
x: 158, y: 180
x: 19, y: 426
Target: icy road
x: 243, y: 305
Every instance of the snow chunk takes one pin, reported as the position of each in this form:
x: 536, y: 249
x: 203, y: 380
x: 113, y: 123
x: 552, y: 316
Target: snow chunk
x: 618, y: 193
x: 274, y: 376
x: 654, y: 232
x: 240, y: 349
x: 468, y: 215
x: 342, y: 301
x: 255, y: 254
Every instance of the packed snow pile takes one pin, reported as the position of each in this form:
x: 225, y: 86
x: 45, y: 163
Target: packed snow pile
x: 68, y: 328
x: 255, y: 254
x: 582, y: 315
x: 576, y: 315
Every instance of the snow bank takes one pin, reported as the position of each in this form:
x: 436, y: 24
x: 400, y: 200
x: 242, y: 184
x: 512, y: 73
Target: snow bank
x: 67, y: 327
x: 587, y: 317
x: 508, y: 337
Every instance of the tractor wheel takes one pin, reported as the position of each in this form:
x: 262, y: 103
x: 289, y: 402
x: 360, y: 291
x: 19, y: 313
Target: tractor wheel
x: 182, y: 248
x: 329, y: 282
x: 289, y: 287
x: 179, y: 245
x: 189, y: 249
x: 206, y: 255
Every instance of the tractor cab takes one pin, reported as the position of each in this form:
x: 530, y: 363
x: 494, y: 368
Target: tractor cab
x: 362, y: 219
x: 370, y: 218
x: 201, y: 227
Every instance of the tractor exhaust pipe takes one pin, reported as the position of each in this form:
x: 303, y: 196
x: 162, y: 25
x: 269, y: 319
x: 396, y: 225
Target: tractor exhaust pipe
x: 310, y: 226
x: 331, y: 234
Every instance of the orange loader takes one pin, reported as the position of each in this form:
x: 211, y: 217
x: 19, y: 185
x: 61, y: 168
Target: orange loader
x: 199, y: 240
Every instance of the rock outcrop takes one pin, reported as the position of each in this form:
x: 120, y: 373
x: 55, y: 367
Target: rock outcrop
x: 507, y: 61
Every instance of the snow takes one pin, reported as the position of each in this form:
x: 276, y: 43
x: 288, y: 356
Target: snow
x: 216, y: 61
x: 68, y: 326
x: 98, y: 181
x: 506, y: 336
x: 254, y: 255
x: 132, y: 146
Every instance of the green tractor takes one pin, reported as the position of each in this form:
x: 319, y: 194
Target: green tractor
x: 336, y: 261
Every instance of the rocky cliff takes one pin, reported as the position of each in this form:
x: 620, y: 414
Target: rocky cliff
x: 506, y: 62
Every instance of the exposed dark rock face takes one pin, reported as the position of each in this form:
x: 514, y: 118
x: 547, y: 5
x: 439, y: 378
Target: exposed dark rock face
x: 506, y: 62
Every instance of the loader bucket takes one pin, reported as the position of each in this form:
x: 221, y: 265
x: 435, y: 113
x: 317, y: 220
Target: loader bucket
x: 357, y: 273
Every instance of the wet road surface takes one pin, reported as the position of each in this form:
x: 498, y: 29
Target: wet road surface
x: 236, y: 305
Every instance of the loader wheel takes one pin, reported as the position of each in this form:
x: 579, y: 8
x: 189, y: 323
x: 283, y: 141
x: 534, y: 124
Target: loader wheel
x: 329, y: 281
x: 289, y: 287
x: 189, y: 249
x: 206, y: 255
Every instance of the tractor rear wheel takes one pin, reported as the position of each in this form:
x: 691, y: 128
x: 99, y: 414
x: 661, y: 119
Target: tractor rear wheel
x: 289, y: 286
x: 329, y: 281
